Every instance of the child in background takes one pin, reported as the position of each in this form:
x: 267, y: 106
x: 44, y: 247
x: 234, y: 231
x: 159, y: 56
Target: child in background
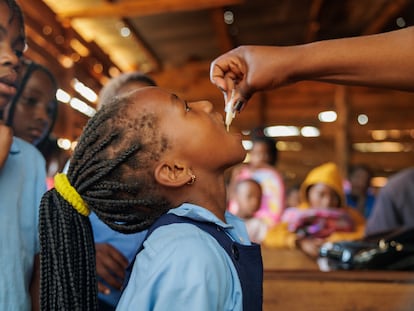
x: 33, y: 110
x: 262, y: 168
x: 359, y: 194
x: 248, y: 196
x: 322, y: 215
x: 151, y: 160
x: 292, y: 197
x: 22, y: 182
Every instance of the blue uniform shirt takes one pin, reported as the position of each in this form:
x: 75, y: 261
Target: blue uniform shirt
x: 22, y: 184
x: 183, y: 267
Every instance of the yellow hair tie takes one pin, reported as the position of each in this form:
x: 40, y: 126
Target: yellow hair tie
x: 65, y: 189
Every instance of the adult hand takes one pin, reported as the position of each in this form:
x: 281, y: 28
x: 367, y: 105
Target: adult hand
x: 110, y: 266
x: 6, y: 139
x: 248, y: 69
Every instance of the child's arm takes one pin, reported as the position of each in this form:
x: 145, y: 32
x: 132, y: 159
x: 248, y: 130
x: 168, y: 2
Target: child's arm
x: 110, y: 266
x: 6, y: 139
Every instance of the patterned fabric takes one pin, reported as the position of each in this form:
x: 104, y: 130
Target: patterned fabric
x: 317, y: 222
x: 273, y: 191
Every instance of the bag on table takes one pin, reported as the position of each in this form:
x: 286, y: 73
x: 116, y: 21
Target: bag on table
x: 387, y: 251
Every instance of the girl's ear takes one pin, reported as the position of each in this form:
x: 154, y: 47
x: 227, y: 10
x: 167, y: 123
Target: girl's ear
x: 172, y: 174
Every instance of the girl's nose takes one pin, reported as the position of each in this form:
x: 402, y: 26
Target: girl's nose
x: 41, y: 113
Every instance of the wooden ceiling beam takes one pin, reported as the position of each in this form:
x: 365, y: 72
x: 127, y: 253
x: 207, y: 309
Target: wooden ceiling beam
x: 145, y: 7
x: 313, y: 25
x: 391, y: 10
x: 57, y: 41
x: 224, y: 40
x: 154, y: 61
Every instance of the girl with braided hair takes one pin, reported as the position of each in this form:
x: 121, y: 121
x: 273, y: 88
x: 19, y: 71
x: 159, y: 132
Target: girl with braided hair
x: 22, y: 181
x: 151, y: 161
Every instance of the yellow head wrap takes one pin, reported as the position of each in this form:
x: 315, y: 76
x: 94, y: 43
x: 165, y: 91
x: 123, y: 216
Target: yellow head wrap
x: 65, y: 189
x: 327, y: 174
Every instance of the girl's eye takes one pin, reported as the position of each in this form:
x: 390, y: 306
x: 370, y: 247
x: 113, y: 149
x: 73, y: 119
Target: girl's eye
x: 29, y: 101
x: 187, y: 108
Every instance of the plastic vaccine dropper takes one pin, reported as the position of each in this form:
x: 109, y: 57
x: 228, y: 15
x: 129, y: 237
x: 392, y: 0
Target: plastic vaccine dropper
x: 230, y: 111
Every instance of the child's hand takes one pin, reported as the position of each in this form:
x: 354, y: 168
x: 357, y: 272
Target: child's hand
x: 6, y: 139
x: 110, y: 266
x: 310, y: 246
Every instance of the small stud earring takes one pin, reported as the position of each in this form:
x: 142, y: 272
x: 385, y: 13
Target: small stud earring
x: 193, y: 178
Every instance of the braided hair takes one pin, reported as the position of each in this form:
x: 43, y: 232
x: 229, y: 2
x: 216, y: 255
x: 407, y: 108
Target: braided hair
x: 111, y: 171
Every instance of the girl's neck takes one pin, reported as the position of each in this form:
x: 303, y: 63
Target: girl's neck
x: 207, y: 192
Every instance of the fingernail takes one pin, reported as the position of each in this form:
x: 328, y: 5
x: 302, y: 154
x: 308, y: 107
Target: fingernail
x: 239, y: 105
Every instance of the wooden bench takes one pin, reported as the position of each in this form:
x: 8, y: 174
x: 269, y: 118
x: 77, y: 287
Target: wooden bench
x: 287, y: 259
x: 289, y: 290
x: 293, y: 282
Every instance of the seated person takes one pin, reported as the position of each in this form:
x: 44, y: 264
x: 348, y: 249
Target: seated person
x: 358, y: 194
x: 394, y: 206
x: 329, y: 220
x: 248, y: 196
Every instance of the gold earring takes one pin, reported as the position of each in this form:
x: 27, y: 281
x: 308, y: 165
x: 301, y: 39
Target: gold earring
x: 193, y: 178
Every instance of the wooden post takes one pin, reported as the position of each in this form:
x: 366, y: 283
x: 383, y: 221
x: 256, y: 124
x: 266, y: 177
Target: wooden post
x: 342, y: 133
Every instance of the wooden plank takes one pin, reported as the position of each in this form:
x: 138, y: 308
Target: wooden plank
x: 145, y: 7
x: 391, y: 10
x: 342, y: 130
x: 286, y: 259
x: 220, y: 27
x: 339, y: 291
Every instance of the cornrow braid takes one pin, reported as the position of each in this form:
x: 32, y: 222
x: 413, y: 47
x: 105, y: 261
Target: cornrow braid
x: 110, y: 169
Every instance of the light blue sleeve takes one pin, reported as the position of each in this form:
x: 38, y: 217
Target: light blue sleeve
x: 182, y: 268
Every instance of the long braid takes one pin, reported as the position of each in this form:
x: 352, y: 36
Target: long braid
x: 66, y: 241
x: 110, y: 171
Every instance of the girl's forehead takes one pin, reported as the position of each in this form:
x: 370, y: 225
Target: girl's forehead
x: 321, y: 187
x: 10, y: 22
x: 4, y: 15
x: 153, y: 97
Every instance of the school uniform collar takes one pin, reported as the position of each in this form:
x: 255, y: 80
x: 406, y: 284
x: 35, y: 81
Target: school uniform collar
x: 201, y: 214
x: 15, y: 146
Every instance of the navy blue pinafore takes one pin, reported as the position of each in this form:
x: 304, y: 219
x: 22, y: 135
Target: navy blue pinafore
x: 247, y: 259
